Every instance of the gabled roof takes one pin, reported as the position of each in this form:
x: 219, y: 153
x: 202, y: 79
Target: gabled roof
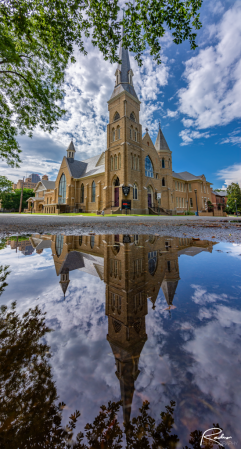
x: 161, y: 143
x: 82, y: 169
x: 186, y: 176
x: 222, y: 193
x: 48, y: 185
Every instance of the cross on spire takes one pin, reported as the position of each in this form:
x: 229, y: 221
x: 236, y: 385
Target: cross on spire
x: 147, y: 130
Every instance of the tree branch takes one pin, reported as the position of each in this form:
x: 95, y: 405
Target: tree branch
x: 18, y: 74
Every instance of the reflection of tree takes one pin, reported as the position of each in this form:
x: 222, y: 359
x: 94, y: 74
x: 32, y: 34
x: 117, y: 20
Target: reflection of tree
x: 3, y: 275
x: 29, y: 416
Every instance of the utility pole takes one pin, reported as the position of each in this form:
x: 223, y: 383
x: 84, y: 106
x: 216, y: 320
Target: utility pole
x: 21, y: 199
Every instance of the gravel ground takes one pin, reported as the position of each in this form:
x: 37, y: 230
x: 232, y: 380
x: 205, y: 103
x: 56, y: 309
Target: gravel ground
x: 220, y: 229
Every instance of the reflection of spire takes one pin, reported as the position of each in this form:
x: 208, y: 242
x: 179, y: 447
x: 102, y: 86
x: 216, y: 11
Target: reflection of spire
x: 64, y: 281
x: 127, y: 371
x: 169, y: 289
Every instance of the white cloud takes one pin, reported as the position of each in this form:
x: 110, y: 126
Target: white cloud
x: 230, y: 174
x: 233, y: 137
x: 188, y: 136
x: 171, y: 113
x: 212, y: 97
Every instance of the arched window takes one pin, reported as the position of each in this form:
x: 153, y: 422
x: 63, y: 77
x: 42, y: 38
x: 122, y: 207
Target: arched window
x: 163, y: 162
x: 169, y: 163
x: 152, y: 262
x: 59, y: 244
x: 116, y: 116
x: 82, y: 193
x: 132, y: 117
x: 47, y: 201
x: 118, y: 132
x: 134, y: 166
x: 135, y: 192
x: 131, y: 132
x: 119, y: 161
x: 92, y: 241
x: 111, y: 163
x: 113, y: 134
x: 138, y: 163
x: 135, y: 135
x: 93, y: 192
x: 163, y: 182
x: 148, y: 167
x: 62, y: 189
x: 115, y: 162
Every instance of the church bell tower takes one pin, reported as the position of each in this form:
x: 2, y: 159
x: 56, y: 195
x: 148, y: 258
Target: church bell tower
x: 123, y: 131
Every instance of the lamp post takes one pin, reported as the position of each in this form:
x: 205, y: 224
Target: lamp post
x: 236, y: 207
x: 195, y: 190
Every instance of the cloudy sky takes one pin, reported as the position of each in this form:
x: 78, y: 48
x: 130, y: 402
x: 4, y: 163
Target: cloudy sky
x: 195, y: 94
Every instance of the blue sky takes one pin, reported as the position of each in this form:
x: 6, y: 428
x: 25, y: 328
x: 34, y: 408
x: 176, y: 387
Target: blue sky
x: 195, y: 94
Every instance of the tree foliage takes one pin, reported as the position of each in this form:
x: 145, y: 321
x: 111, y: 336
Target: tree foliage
x: 234, y: 193
x: 5, y: 185
x: 37, y: 41
x: 11, y: 200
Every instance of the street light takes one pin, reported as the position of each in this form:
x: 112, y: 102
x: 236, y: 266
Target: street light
x: 236, y: 207
x: 195, y: 190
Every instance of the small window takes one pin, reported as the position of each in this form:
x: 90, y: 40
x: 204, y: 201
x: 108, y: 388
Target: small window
x: 184, y: 187
x: 190, y: 187
x: 201, y: 188
x: 204, y: 189
x: 177, y: 202
x: 134, y: 162
x: 163, y: 182
x: 116, y: 116
x: 169, y: 163
x: 135, y: 135
x: 92, y: 241
x: 156, y: 175
x: 113, y: 135
x: 163, y: 162
x: 119, y: 161
x: 176, y: 185
x: 115, y: 162
x: 132, y: 117
x: 93, y: 192
x: 135, y: 192
x: 111, y: 163
x: 138, y: 163
x: 191, y: 203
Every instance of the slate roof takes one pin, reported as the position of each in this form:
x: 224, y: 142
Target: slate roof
x: 223, y: 193
x: 73, y: 260
x: 186, y: 176
x: 124, y: 68
x: 161, y: 143
x: 71, y: 146
x: 82, y: 169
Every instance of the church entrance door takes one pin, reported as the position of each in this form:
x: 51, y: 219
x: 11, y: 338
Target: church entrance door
x: 116, y: 197
x: 149, y: 199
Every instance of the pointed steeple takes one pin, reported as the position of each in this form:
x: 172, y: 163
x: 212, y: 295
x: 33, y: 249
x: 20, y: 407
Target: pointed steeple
x: 64, y: 281
x: 161, y: 143
x: 124, y: 73
x: 169, y: 290
x: 71, y: 150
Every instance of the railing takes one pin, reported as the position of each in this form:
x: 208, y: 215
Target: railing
x: 159, y: 210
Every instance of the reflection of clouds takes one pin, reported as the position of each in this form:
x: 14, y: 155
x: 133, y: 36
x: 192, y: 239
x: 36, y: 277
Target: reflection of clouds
x: 201, y: 296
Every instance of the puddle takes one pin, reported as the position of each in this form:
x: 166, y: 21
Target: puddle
x: 133, y: 318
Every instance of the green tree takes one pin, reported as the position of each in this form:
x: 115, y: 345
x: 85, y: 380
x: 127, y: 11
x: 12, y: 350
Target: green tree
x: 3, y: 272
x: 234, y: 193
x: 5, y: 185
x: 11, y: 200
x: 37, y: 39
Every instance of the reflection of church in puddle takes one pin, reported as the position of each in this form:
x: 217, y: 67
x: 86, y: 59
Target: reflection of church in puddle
x: 134, y: 269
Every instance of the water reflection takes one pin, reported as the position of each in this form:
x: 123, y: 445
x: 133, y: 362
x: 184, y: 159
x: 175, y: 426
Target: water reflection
x: 188, y: 357
x: 133, y: 268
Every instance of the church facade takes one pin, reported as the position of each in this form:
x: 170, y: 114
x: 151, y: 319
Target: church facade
x: 131, y: 173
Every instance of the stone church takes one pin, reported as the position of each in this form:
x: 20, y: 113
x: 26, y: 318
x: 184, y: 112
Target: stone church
x: 131, y: 173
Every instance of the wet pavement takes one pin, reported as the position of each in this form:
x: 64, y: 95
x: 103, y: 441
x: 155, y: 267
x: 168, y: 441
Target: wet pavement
x: 151, y: 321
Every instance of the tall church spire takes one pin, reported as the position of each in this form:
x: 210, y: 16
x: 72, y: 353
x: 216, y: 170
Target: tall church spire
x: 124, y: 74
x: 161, y: 143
